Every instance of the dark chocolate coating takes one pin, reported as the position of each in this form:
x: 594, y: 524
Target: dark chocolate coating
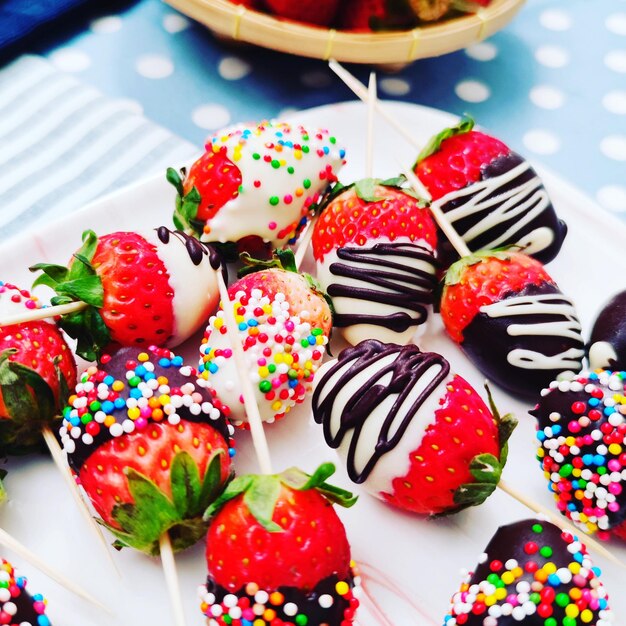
x: 524, y: 541
x: 307, y: 602
x: 117, y: 369
x: 489, y: 343
x: 531, y: 193
x: 610, y: 327
x: 395, y: 283
x: 406, y: 369
x: 195, y: 248
x: 25, y: 610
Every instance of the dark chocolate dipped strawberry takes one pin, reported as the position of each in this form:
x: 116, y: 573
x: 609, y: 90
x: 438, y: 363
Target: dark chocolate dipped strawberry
x: 491, y: 195
x: 256, y: 182
x: 36, y: 370
x: 277, y: 553
x: 607, y: 346
x: 410, y: 430
x: 374, y: 245
x: 532, y: 574
x: 581, y: 430
x: 138, y: 289
x: 17, y: 605
x: 511, y: 320
x: 150, y: 445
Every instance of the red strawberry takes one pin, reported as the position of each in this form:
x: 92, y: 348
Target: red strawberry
x: 256, y: 183
x: 149, y: 444
x: 36, y: 369
x: 374, y: 244
x: 318, y: 12
x: 141, y: 289
x: 512, y: 320
x: 279, y: 540
x: 490, y: 194
x: 375, y: 15
x: 284, y: 324
x: 415, y: 434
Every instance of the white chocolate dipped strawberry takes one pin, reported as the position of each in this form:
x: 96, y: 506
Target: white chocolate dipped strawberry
x: 256, y: 180
x: 374, y: 246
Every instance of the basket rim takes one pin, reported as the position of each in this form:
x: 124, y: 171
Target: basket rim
x: 240, y: 23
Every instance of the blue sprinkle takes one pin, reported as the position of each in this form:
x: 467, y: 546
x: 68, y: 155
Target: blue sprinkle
x: 38, y: 597
x: 554, y: 580
x: 609, y: 410
x: 75, y: 421
x: 541, y: 435
x: 136, y: 393
x: 571, y: 506
x: 578, y: 557
x: 120, y: 403
x: 232, y: 452
x: 213, y: 368
x: 599, y: 460
x: 21, y: 582
x: 326, y: 150
x: 42, y: 620
x: 253, y: 323
x: 165, y: 362
x: 293, y: 383
x: 243, y: 326
x: 312, y: 340
x: 597, y: 571
x: 603, y: 603
x: 107, y: 406
x: 342, y: 153
x: 140, y: 370
x: 201, y: 367
x: 588, y: 459
x: 556, y: 429
x: 149, y: 376
x: 177, y: 361
x: 108, y: 380
x: 593, y: 401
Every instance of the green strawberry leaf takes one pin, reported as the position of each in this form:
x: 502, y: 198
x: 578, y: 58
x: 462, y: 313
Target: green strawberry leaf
x: 89, y: 247
x: 89, y: 330
x: 297, y: 479
x: 52, y: 274
x: 281, y: 259
x: 260, y: 498
x: 366, y: 189
x: 486, y: 468
x: 172, y: 177
x: 212, y: 485
x: 506, y: 425
x: 7, y: 374
x: 464, y: 125
x: 185, y: 482
x: 235, y: 488
x: 87, y: 289
x: 472, y: 494
x: 458, y: 268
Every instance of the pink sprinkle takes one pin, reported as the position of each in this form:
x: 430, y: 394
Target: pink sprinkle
x: 614, y: 465
x: 146, y: 412
x: 288, y: 199
x: 141, y: 423
x: 227, y: 352
x: 273, y: 225
x: 248, y: 614
x: 31, y: 304
x: 275, y: 382
x: 613, y: 507
x: 615, y: 489
x: 289, y: 325
x: 39, y: 607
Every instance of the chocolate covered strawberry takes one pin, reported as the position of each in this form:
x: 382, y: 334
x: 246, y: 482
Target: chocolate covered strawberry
x: 410, y: 430
x: 256, y: 182
x: 318, y: 12
x: 277, y: 553
x: 284, y: 323
x: 491, y: 195
x: 150, y: 445
x: 139, y: 289
x: 581, y: 431
x: 17, y: 605
x: 532, y: 574
x: 36, y: 370
x: 512, y: 320
x: 374, y: 245
x: 375, y: 15
x: 607, y: 344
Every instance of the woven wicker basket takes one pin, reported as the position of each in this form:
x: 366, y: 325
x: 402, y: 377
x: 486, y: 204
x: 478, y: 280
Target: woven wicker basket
x: 236, y: 22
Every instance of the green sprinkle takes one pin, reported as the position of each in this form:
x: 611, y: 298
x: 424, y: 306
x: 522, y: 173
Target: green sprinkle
x: 493, y: 578
x: 562, y: 599
x: 265, y: 386
x: 582, y: 483
x: 304, y: 343
x: 602, y: 470
x: 535, y: 598
x: 569, y: 621
x: 292, y: 374
x: 95, y: 406
x: 566, y: 470
x: 271, y: 368
x: 537, y: 528
x: 317, y: 331
x: 302, y: 620
x: 240, y: 188
x: 306, y: 183
x: 332, y: 140
x: 274, y: 200
x: 291, y: 169
x: 550, y: 622
x: 134, y: 381
x: 256, y: 156
x: 227, y: 619
x: 86, y: 418
x: 546, y: 552
x: 305, y: 149
x: 275, y: 164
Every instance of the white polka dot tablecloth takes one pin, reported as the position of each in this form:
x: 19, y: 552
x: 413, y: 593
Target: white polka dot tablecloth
x: 552, y: 84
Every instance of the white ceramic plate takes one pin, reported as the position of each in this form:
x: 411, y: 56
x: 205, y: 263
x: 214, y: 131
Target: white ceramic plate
x: 423, y: 556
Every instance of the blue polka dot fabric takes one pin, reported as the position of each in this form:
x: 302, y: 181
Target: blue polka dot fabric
x: 552, y: 83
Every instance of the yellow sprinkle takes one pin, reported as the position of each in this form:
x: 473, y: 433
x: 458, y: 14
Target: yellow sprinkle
x: 342, y: 587
x: 134, y: 413
x: 143, y: 356
x: 118, y: 385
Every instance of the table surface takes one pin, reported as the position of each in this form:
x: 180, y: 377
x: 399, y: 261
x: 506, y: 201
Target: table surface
x: 552, y: 84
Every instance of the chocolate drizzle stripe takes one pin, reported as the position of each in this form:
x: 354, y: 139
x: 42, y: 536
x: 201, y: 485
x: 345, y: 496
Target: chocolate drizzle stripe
x: 406, y: 366
x: 401, y: 284
x: 195, y: 248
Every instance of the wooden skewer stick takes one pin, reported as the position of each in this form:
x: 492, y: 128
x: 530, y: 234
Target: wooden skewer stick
x: 372, y: 99
x: 558, y: 520
x: 33, y: 315
x: 61, y: 463
x: 171, y: 578
x: 442, y: 221
x: 249, y: 399
x: 23, y: 552
x: 372, y: 102
x: 360, y: 91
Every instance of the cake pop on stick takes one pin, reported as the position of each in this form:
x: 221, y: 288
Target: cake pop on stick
x: 284, y: 322
x: 149, y: 443
x: 256, y: 183
x: 607, y: 345
x: 132, y: 289
x: 531, y: 573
